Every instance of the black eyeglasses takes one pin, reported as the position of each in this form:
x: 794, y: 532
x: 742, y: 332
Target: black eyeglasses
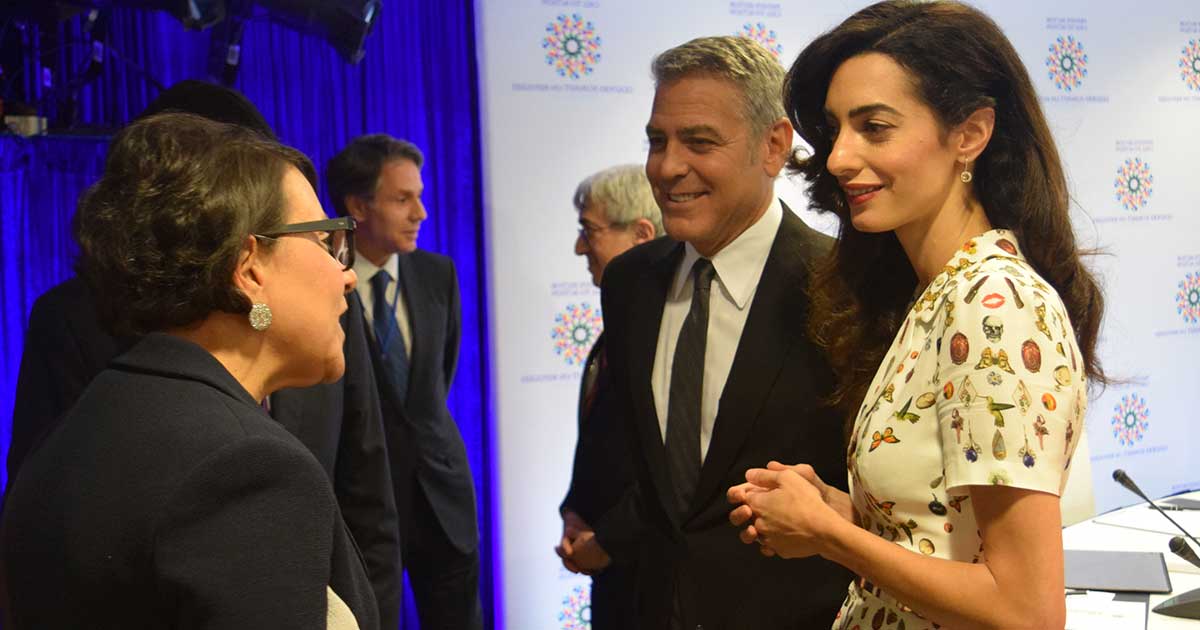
x: 338, y: 238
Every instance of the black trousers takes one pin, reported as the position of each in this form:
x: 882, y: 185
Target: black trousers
x: 445, y: 581
x: 614, y: 599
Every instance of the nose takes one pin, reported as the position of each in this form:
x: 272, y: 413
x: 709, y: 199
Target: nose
x: 581, y: 245
x: 842, y: 160
x: 666, y: 163
x: 349, y: 280
x: 419, y: 214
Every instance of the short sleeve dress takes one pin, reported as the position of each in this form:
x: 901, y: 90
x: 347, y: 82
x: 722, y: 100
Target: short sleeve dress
x: 984, y: 384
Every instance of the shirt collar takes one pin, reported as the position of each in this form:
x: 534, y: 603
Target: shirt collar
x: 739, y: 263
x: 365, y: 269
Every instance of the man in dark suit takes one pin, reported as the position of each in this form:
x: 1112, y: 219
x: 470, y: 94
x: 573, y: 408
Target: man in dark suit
x: 616, y: 212
x: 411, y: 303
x: 717, y: 373
x: 341, y: 423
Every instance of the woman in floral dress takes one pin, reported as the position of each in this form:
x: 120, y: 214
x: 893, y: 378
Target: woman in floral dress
x: 958, y: 317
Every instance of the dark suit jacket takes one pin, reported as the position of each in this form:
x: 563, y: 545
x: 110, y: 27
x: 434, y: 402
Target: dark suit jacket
x: 65, y: 348
x: 769, y: 409
x: 603, y: 468
x: 167, y: 498
x: 342, y: 424
x: 601, y: 476
x: 423, y: 441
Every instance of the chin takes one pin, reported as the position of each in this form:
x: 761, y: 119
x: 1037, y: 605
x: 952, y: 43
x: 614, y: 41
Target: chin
x: 863, y: 223
x: 681, y: 229
x: 334, y: 369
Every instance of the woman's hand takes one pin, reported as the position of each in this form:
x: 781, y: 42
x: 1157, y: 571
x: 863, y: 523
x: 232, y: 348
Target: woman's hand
x: 788, y: 509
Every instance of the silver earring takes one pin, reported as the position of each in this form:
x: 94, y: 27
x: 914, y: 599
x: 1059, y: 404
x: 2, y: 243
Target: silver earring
x: 260, y: 316
x: 966, y: 175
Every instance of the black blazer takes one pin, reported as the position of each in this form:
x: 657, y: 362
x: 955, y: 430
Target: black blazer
x: 167, y: 498
x: 342, y: 424
x: 65, y: 348
x: 424, y: 443
x: 770, y: 409
x: 602, y: 472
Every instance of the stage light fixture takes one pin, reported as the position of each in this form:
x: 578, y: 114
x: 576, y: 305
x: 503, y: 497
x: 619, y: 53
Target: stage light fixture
x: 343, y: 23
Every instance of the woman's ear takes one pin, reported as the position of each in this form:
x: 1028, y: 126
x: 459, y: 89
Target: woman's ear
x: 975, y: 132
x: 249, y: 273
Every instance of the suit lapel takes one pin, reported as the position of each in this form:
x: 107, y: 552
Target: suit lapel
x: 584, y: 386
x: 769, y: 333
x: 415, y: 305
x: 645, y: 320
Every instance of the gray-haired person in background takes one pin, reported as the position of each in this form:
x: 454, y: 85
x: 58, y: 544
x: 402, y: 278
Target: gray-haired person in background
x: 616, y: 212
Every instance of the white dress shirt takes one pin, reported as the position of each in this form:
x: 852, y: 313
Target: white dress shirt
x: 366, y: 270
x: 739, y: 267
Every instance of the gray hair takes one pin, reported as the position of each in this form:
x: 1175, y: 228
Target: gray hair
x: 624, y: 192
x: 738, y: 60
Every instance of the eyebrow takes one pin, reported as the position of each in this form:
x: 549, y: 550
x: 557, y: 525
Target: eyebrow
x: 694, y: 130
x: 871, y: 108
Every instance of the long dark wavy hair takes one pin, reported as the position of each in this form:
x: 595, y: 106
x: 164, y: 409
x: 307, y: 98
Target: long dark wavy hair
x: 959, y: 61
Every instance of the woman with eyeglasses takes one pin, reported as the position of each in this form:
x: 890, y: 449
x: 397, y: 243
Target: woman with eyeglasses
x: 167, y: 497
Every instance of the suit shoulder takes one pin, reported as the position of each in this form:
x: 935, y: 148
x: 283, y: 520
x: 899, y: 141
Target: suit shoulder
x: 811, y: 243
x: 62, y: 299
x: 427, y: 259
x: 640, y: 256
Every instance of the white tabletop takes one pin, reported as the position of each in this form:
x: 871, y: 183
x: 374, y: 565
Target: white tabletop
x: 1139, y: 528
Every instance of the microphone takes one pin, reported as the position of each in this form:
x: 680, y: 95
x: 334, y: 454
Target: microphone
x: 1185, y: 605
x: 1180, y: 548
x: 1120, y: 477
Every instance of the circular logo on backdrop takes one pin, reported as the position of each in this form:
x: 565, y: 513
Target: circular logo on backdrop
x: 764, y: 36
x: 1189, y: 65
x: 576, y: 613
x: 575, y: 330
x: 1067, y: 63
x: 1134, y: 184
x: 1131, y: 419
x: 1187, y: 299
x: 572, y: 46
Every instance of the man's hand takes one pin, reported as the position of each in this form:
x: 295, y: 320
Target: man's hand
x: 573, y: 524
x: 574, y: 528
x: 588, y: 555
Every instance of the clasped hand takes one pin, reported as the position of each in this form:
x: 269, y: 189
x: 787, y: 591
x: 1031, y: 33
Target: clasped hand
x: 578, y: 548
x: 787, y: 510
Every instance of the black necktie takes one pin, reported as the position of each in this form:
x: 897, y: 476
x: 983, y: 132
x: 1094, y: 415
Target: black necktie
x: 687, y: 380
x: 387, y: 333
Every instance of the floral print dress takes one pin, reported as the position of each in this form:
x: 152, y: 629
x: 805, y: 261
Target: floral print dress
x: 984, y: 384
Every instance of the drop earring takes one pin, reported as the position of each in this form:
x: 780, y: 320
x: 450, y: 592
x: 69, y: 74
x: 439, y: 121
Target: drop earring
x: 965, y: 176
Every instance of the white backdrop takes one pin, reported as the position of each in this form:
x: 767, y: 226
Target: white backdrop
x: 566, y: 91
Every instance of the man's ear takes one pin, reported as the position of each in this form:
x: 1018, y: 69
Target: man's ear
x: 249, y: 273
x: 974, y: 133
x: 643, y: 231
x: 356, y: 207
x: 777, y: 145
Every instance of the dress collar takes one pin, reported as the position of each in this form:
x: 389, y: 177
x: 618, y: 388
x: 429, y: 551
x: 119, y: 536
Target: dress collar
x: 997, y: 243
